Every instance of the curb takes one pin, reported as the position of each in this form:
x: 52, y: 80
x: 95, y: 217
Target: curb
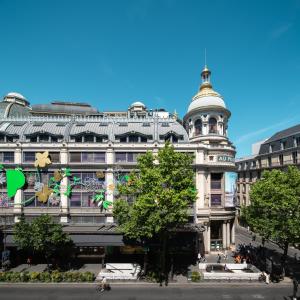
x: 144, y: 284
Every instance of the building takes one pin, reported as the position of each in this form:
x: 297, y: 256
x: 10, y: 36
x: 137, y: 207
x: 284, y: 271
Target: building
x: 91, y: 152
x: 277, y: 152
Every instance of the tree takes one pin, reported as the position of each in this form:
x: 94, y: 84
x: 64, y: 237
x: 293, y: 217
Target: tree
x: 42, y: 235
x: 274, y: 211
x: 163, y: 188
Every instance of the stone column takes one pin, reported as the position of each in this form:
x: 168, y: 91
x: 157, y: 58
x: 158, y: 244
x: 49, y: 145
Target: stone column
x: 64, y: 201
x: 224, y: 238
x: 110, y: 156
x: 200, y: 185
x: 233, y: 233
x: 207, y: 238
x: 109, y: 178
x: 228, y: 235
x: 18, y: 209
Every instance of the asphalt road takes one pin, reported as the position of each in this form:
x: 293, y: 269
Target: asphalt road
x: 212, y: 292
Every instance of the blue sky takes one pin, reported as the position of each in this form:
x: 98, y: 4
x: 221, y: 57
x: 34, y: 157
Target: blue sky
x: 111, y: 53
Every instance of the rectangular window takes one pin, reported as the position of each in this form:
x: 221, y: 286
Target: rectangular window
x: 99, y: 157
x: 28, y: 157
x: 281, y: 159
x: 295, y: 157
x: 87, y: 200
x: 54, y: 157
x: 269, y: 162
x: 43, y: 138
x: 127, y: 156
x: 244, y: 188
x: 87, y: 157
x: 7, y: 157
x: 89, y: 138
x: 54, y: 139
x: 75, y: 200
x: 216, y: 181
x: 216, y: 199
x: 75, y: 156
x: 78, y: 139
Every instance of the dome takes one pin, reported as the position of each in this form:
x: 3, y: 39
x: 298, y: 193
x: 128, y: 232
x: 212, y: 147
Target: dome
x: 137, y: 104
x: 206, y: 96
x: 206, y: 101
x: 15, y: 95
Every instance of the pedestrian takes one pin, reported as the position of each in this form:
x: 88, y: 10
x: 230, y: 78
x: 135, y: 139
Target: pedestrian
x: 267, y: 278
x: 218, y: 258
x: 103, y: 284
x: 295, y: 288
x: 199, y: 257
x: 29, y: 261
x: 225, y: 255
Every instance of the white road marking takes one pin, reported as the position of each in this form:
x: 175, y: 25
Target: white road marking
x: 258, y: 296
x: 226, y: 296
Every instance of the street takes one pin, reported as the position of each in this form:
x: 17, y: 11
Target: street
x: 129, y: 292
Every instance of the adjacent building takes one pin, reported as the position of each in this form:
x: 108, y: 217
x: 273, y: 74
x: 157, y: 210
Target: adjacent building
x: 91, y: 152
x: 277, y: 152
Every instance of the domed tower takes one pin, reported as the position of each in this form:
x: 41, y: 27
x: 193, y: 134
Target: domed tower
x: 207, y: 115
x: 14, y: 105
x: 206, y: 123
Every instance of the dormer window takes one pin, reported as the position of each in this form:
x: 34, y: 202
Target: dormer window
x: 133, y: 138
x: 212, y: 125
x: 43, y: 138
x: 171, y: 137
x: 8, y: 138
x: 89, y: 138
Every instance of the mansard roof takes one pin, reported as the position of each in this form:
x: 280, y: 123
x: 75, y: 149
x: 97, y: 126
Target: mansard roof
x: 112, y: 127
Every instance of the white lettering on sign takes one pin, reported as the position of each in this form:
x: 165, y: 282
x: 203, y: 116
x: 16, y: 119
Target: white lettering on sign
x: 225, y: 158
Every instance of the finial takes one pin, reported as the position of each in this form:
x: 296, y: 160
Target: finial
x: 205, y: 58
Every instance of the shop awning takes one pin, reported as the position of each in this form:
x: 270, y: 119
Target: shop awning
x: 92, y: 240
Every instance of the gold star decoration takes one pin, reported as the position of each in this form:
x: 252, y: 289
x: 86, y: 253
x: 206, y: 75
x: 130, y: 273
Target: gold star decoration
x: 44, y: 194
x: 42, y: 159
x: 57, y: 176
x: 100, y: 175
x: 111, y: 187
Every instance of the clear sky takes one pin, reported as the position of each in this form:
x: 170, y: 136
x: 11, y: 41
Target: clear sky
x: 111, y: 53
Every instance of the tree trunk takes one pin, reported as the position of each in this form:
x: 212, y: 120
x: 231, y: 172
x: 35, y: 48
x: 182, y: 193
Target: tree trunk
x: 145, y: 262
x: 163, y: 251
x: 165, y: 245
x: 284, y: 256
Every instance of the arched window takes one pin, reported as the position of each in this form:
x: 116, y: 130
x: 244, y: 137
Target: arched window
x: 198, y: 127
x: 212, y: 125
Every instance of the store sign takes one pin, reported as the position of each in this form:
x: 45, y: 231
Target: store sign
x: 225, y: 158
x: 230, y: 189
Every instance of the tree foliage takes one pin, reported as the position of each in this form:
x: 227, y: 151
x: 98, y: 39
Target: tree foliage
x: 42, y: 235
x: 274, y: 211
x: 162, y: 188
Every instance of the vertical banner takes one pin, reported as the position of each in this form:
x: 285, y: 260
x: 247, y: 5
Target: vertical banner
x: 230, y: 189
